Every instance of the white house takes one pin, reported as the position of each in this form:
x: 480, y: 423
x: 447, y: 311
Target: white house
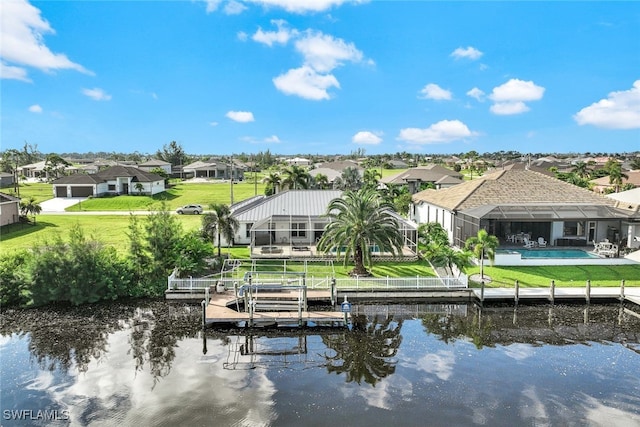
x: 156, y: 164
x: 113, y: 180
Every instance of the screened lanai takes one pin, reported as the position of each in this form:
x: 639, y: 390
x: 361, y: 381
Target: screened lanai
x: 559, y: 224
x: 297, y: 236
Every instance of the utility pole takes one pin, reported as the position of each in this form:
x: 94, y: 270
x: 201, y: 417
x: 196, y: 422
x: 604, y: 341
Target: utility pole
x: 231, y: 181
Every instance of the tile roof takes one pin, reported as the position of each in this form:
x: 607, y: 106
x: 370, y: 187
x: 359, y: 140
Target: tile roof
x: 111, y: 173
x: 510, y: 187
x: 429, y: 173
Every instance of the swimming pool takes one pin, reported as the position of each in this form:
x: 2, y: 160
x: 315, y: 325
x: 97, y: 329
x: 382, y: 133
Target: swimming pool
x: 552, y: 253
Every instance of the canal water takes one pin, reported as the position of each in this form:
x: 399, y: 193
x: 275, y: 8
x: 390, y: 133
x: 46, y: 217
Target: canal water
x: 150, y: 364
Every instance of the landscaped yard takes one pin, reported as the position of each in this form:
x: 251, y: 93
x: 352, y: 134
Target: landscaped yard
x: 39, y: 191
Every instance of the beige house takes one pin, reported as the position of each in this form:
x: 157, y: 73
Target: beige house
x: 523, y: 201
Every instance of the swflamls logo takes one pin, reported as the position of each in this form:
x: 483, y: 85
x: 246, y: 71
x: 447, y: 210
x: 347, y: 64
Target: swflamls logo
x: 39, y: 415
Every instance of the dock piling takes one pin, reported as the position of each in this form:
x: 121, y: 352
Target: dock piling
x: 622, y: 290
x: 552, y: 292
x: 588, y: 292
x: 516, y: 295
x: 481, y: 292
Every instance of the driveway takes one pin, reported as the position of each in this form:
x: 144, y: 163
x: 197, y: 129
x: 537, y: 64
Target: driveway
x: 59, y: 204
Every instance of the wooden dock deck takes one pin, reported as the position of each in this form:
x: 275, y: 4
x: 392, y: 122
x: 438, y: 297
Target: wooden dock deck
x: 222, y: 308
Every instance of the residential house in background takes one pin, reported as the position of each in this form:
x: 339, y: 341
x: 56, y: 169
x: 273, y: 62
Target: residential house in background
x: 115, y: 180
x: 509, y: 202
x: 149, y: 165
x: 6, y: 180
x: 298, y: 161
x: 215, y: 169
x: 439, y: 176
x: 9, y: 209
x: 602, y: 185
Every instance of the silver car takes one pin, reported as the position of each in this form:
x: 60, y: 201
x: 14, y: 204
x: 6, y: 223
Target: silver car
x: 190, y: 209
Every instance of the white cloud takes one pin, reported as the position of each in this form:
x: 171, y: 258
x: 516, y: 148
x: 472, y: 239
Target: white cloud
x: 234, y: 8
x: 14, y: 73
x: 620, y: 110
x: 306, y: 83
x: 272, y: 139
x: 367, y: 138
x: 510, y: 97
x: 433, y: 91
x: 242, y: 36
x: 35, y: 108
x: 509, y: 108
x: 303, y: 6
x: 240, y: 116
x: 22, y: 31
x: 281, y: 36
x: 212, y: 5
x: 441, y: 132
x: 469, y: 52
x: 476, y: 93
x: 213, y: 124
x: 323, y: 52
x: 97, y: 94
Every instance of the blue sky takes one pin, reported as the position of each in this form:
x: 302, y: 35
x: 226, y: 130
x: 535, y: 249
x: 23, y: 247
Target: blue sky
x: 321, y: 76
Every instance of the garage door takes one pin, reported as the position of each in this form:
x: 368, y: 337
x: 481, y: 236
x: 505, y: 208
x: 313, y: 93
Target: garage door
x: 61, y: 191
x: 81, y: 191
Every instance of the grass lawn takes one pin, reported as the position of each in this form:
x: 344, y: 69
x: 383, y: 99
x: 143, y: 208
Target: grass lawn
x: 180, y: 194
x: 39, y: 191
x: 564, y: 276
x: 108, y: 229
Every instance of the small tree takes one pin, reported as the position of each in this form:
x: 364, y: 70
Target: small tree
x: 219, y: 223
x: 139, y: 187
x: 30, y: 207
x: 481, y: 245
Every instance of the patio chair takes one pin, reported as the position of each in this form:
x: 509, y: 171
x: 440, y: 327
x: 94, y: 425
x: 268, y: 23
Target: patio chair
x: 541, y: 242
x: 528, y: 243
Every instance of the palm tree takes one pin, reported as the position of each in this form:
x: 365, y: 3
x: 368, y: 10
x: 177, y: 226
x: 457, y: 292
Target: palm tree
x: 349, y: 180
x: 581, y: 170
x: 371, y: 177
x: 359, y: 220
x: 481, y: 245
x: 616, y: 176
x: 443, y: 255
x: 219, y: 222
x: 295, y: 177
x: 30, y: 207
x: 273, y: 181
x: 322, y: 181
x: 139, y: 187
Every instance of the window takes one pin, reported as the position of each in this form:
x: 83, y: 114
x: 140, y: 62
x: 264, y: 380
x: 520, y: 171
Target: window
x: 299, y: 229
x: 112, y: 187
x: 574, y: 228
x: 248, y: 230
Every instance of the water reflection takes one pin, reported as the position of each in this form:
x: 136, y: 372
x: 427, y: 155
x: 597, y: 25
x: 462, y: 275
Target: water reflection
x: 439, y: 364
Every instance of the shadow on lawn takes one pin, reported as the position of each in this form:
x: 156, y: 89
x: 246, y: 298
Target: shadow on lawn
x: 13, y: 231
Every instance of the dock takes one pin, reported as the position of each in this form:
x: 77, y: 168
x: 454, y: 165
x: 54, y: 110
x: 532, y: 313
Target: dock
x: 277, y: 308
x: 553, y: 294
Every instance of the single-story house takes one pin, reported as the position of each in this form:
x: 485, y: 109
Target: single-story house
x: 513, y: 201
x: 216, y: 169
x: 6, y: 179
x: 39, y: 170
x: 331, y: 174
x: 437, y: 175
x: 298, y: 161
x: 9, y: 209
x: 341, y: 165
x: 114, y: 180
x: 600, y: 185
x: 155, y: 163
x: 397, y: 164
x: 290, y: 223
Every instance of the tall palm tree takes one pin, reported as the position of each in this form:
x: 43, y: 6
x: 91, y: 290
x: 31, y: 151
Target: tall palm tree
x: 30, y: 207
x: 295, y: 177
x: 616, y: 176
x: 350, y: 179
x: 219, y: 222
x: 273, y: 181
x: 481, y: 245
x: 359, y: 220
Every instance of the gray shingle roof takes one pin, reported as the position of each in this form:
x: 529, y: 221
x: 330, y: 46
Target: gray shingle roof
x: 510, y: 187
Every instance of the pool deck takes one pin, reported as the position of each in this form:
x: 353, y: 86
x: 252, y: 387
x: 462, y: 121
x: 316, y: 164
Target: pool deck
x: 507, y: 256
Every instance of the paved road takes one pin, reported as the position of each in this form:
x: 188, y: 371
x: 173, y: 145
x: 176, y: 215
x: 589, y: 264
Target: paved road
x: 57, y: 206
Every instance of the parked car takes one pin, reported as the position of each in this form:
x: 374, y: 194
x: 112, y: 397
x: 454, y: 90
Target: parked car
x: 190, y: 209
